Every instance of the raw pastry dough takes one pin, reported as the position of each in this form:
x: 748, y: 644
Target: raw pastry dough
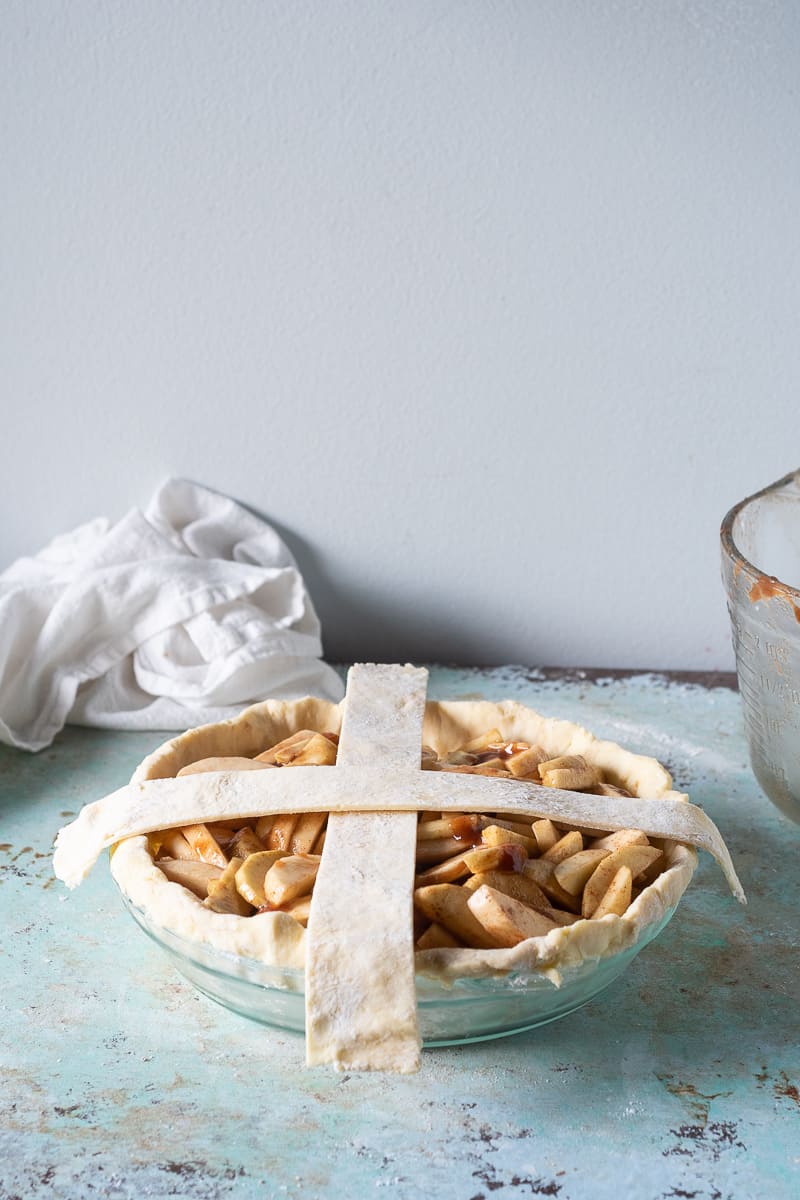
x: 144, y: 807
x: 361, y: 999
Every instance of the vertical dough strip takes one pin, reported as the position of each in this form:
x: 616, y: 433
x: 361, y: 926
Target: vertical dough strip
x: 361, y: 1004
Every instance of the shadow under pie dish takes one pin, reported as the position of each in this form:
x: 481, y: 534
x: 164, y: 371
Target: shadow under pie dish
x: 518, y: 918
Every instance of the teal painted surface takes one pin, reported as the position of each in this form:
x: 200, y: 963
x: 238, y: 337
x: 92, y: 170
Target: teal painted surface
x: 681, y: 1080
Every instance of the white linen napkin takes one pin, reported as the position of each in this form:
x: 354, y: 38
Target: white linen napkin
x: 171, y: 617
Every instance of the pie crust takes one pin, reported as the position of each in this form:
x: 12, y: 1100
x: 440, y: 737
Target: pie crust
x: 276, y: 939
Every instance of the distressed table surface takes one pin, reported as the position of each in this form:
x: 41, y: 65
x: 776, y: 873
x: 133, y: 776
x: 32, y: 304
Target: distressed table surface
x: 681, y: 1080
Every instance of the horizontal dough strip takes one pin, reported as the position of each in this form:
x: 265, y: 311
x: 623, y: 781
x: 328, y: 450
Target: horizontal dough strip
x: 157, y: 804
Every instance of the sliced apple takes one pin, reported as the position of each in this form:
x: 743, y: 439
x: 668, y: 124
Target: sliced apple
x: 505, y: 919
x: 290, y: 877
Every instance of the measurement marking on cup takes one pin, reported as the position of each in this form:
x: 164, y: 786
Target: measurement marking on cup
x: 745, y: 663
x: 779, y: 687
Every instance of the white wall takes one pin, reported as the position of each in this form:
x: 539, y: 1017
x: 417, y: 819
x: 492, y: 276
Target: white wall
x: 491, y: 307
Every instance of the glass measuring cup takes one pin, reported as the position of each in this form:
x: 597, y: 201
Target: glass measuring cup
x: 761, y: 534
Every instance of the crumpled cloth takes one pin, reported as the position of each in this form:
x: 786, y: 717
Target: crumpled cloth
x: 172, y: 617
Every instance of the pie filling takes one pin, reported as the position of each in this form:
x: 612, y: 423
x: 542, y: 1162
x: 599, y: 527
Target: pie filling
x: 482, y: 881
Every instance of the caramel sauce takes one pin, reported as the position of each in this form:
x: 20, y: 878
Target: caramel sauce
x: 466, y: 829
x: 511, y: 858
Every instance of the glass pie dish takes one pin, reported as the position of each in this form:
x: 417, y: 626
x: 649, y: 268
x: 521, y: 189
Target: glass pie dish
x: 450, y: 1012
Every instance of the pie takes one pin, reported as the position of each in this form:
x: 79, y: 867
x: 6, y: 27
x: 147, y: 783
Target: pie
x: 386, y: 837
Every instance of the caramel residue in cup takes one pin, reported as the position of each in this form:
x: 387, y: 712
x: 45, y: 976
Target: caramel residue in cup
x: 766, y: 588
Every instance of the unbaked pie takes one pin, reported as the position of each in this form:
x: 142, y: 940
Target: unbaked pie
x: 387, y: 837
